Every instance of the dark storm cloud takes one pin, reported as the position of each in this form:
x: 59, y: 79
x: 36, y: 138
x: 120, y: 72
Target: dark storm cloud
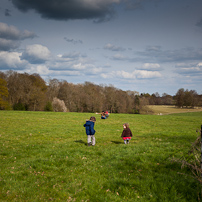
x: 69, y: 9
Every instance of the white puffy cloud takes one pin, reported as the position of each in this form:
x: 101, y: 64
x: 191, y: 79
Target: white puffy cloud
x: 36, y: 54
x: 151, y: 66
x: 199, y: 64
x: 11, y: 60
x: 136, y: 74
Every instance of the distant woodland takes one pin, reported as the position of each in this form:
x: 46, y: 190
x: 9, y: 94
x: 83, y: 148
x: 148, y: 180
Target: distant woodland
x: 22, y: 91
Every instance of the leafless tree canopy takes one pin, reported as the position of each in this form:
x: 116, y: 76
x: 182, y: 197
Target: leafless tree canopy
x: 31, y: 92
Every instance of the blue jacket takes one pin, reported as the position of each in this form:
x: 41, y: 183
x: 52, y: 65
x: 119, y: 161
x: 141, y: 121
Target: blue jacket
x: 89, y: 125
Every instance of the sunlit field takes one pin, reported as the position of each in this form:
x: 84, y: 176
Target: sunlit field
x: 44, y: 157
x: 170, y: 109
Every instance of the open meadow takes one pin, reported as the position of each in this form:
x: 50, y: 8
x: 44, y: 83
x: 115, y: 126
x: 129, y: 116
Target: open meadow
x: 44, y: 157
x: 171, y: 109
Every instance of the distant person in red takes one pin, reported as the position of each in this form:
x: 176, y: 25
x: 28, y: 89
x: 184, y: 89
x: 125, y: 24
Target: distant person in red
x: 104, y: 114
x: 126, y: 134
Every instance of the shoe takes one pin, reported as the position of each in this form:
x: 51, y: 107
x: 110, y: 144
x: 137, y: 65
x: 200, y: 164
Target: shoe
x: 89, y: 144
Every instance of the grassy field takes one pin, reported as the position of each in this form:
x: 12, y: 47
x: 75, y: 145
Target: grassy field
x: 44, y: 157
x: 170, y: 109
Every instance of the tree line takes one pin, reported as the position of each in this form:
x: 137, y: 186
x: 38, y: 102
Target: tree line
x: 23, y: 91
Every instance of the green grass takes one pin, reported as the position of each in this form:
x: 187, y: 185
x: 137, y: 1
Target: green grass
x: 44, y: 157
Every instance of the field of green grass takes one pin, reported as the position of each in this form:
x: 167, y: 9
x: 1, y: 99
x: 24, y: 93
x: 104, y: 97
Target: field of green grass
x: 44, y: 157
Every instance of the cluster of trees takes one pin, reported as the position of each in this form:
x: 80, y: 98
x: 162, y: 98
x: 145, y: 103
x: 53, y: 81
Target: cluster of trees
x: 30, y: 92
x: 183, y: 98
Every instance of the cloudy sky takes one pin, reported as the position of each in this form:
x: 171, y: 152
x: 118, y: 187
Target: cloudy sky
x: 143, y: 45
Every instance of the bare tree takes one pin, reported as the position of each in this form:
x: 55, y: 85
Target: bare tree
x: 59, y: 105
x: 3, y: 94
x: 179, y: 97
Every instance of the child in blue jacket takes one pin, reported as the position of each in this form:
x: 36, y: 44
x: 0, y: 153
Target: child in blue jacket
x: 90, y: 132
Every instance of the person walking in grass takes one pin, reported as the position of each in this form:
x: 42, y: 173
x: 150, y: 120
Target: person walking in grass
x: 90, y: 132
x: 126, y: 134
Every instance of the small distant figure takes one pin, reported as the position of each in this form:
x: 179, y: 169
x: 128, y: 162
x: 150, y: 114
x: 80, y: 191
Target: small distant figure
x: 90, y: 132
x: 126, y: 134
x: 104, y: 114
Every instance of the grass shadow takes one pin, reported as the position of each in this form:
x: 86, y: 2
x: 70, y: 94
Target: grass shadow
x: 81, y: 141
x: 116, y: 142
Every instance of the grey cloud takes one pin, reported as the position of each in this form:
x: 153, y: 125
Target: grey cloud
x: 7, y: 12
x: 186, y: 54
x: 10, y: 36
x: 73, y: 56
x: 189, y: 69
x: 73, y: 41
x: 113, y: 47
x: 137, y: 4
x: 120, y: 57
x: 6, y: 45
x: 12, y: 33
x: 199, y: 24
x: 153, y: 48
x: 101, y: 10
x: 157, y: 55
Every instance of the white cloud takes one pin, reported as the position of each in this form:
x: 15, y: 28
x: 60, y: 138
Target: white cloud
x: 199, y: 64
x: 119, y: 57
x: 39, y: 69
x: 79, y: 66
x: 10, y: 60
x: 151, y: 66
x: 113, y: 47
x: 137, y: 74
x: 36, y: 54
